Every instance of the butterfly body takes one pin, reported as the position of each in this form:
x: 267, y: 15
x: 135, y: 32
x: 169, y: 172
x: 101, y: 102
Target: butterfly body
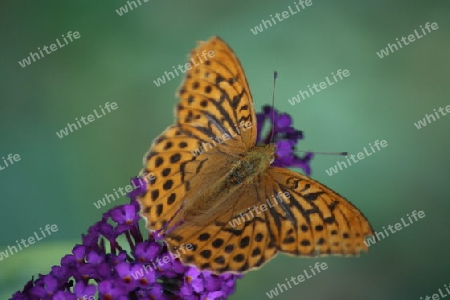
x: 255, y: 163
x: 244, y: 171
x: 216, y: 190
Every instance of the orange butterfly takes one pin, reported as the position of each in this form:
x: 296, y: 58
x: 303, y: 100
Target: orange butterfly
x: 196, y: 199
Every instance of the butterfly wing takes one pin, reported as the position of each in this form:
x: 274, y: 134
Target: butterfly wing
x: 313, y: 219
x: 215, y: 100
x: 175, y: 170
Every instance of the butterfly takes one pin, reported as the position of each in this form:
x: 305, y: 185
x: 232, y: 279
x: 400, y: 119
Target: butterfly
x: 209, y: 176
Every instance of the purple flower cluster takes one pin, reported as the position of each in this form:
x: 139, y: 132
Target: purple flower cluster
x: 144, y: 270
x: 285, y: 138
x: 114, y: 260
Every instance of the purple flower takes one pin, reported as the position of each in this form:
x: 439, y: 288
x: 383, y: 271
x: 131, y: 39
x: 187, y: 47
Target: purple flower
x: 85, y: 291
x: 285, y: 138
x: 103, y: 267
x: 100, y: 267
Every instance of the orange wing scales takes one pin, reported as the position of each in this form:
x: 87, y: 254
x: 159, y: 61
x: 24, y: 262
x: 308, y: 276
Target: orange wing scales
x: 326, y: 223
x: 227, y: 246
x: 215, y: 99
x: 166, y: 160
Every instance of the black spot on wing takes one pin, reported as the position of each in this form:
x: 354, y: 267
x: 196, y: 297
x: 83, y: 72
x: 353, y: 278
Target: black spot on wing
x: 312, y: 196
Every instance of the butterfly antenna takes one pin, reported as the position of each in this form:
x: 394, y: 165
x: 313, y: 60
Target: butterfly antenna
x: 326, y: 153
x: 272, y: 134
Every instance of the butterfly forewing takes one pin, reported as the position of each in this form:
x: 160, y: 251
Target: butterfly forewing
x: 215, y: 101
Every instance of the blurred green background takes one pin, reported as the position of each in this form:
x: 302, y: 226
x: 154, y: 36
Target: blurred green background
x: 117, y: 58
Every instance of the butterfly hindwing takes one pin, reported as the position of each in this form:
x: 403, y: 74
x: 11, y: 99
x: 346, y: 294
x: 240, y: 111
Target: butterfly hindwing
x: 174, y: 172
x: 233, y: 242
